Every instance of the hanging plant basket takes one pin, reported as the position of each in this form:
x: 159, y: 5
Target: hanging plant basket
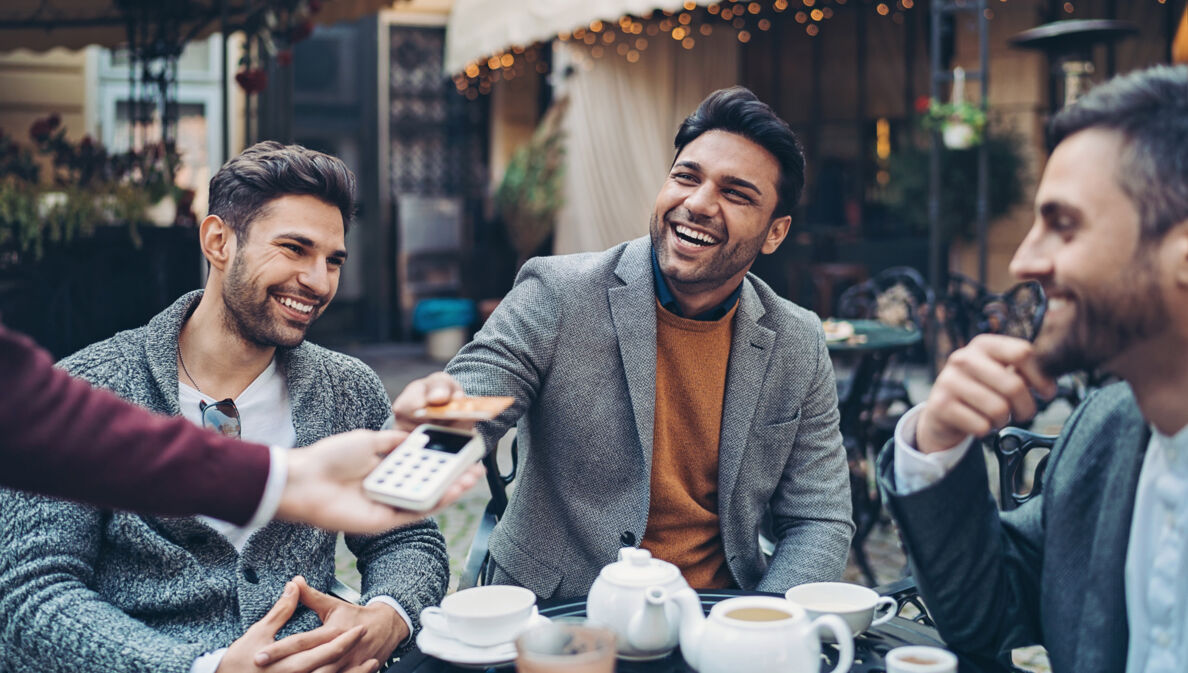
x: 961, y: 125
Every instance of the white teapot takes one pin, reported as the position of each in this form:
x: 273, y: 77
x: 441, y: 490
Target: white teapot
x: 631, y: 596
x: 759, y: 634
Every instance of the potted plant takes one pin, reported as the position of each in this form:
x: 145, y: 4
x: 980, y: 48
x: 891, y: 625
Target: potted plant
x: 531, y: 191
x: 961, y: 124
x: 906, y: 192
x: 86, y: 186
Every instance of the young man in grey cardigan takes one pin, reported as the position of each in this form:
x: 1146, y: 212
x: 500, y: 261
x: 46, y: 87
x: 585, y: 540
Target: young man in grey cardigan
x: 85, y: 589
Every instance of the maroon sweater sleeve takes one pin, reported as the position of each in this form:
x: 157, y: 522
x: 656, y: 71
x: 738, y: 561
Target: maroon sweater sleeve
x: 61, y: 437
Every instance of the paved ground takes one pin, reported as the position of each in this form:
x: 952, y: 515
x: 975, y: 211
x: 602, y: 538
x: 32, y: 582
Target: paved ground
x: 398, y: 364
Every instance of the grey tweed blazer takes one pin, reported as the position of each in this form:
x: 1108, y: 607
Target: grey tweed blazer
x: 1051, y: 572
x: 575, y: 343
x: 84, y: 589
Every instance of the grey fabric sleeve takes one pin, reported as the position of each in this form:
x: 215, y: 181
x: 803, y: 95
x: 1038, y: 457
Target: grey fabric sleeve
x: 513, y: 352
x: 811, y: 508
x: 978, y: 571
x: 50, y: 621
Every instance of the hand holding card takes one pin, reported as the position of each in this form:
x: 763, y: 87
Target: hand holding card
x: 465, y: 409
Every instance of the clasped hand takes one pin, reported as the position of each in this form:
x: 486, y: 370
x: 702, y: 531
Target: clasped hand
x: 351, y: 639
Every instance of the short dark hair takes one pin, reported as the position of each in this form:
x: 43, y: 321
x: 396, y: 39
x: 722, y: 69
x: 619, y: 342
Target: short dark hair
x: 737, y: 110
x: 1149, y: 108
x: 269, y: 170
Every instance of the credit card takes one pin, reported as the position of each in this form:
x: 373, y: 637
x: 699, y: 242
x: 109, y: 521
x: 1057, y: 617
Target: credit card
x: 466, y: 409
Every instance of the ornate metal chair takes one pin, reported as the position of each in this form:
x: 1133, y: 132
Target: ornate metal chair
x: 897, y: 296
x: 476, y: 570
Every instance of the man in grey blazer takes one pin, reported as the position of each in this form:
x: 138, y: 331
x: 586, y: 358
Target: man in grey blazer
x: 88, y: 589
x: 664, y: 397
x: 1095, y: 568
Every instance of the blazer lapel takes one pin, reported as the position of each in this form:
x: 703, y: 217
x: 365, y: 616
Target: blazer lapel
x: 633, y: 311
x: 750, y: 351
x: 1106, y: 600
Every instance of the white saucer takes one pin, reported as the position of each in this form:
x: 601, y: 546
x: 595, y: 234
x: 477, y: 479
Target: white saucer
x: 441, y: 645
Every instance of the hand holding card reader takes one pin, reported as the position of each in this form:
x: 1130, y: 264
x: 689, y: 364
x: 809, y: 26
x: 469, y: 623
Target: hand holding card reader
x: 416, y: 474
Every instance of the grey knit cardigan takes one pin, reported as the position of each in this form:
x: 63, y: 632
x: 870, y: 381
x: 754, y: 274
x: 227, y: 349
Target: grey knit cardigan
x: 85, y: 589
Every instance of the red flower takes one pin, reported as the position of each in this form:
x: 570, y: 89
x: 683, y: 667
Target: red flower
x: 252, y: 80
x: 922, y: 104
x: 40, y: 130
x: 315, y: 6
x: 285, y: 57
x: 86, y: 143
x: 54, y: 120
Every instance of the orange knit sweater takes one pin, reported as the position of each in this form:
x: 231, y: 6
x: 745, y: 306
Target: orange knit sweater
x: 691, y: 361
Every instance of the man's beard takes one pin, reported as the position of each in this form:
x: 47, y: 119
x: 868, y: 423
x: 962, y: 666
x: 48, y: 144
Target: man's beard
x: 252, y: 319
x: 1109, y: 323
x: 724, y: 264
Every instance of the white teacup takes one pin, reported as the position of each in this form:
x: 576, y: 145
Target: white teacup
x: 920, y: 659
x: 483, y: 616
x: 856, y: 605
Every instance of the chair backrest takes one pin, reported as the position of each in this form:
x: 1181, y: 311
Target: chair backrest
x: 960, y: 309
x: 896, y: 296
x: 478, y: 557
x: 1010, y: 447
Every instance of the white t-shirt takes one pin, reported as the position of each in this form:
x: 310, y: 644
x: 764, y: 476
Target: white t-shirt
x: 265, y: 417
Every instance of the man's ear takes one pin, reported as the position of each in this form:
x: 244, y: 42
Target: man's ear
x: 217, y: 240
x: 776, y: 234
x: 1175, y: 246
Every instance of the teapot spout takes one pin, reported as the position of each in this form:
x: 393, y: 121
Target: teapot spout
x: 649, y: 628
x: 692, y: 625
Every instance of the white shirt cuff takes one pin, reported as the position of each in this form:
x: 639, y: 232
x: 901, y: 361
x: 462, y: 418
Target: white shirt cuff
x: 274, y: 487
x: 915, y: 471
x: 209, y: 662
x: 391, y: 602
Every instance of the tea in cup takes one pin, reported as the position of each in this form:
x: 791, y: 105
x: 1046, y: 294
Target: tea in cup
x: 483, y: 616
x: 856, y: 605
x: 920, y: 659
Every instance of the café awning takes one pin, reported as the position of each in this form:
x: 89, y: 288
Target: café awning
x: 479, y: 28
x: 44, y: 24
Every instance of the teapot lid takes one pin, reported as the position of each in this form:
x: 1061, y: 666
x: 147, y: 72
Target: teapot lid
x: 636, y: 567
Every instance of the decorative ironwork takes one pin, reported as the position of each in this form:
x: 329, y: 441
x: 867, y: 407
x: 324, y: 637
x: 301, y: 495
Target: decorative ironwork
x: 438, y: 139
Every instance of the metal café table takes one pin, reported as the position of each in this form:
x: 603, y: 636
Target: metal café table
x: 873, y: 343
x: 869, y: 647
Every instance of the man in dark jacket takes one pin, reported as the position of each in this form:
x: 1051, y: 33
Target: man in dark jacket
x: 1096, y: 568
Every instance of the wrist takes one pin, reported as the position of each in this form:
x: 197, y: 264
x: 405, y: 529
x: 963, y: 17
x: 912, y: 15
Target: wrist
x: 394, y: 627
x: 292, y: 505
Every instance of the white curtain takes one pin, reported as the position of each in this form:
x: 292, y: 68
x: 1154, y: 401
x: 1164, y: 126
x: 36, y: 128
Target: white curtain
x: 621, y: 120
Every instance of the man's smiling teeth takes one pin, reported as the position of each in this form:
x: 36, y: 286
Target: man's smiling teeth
x: 296, y: 305
x: 694, y: 236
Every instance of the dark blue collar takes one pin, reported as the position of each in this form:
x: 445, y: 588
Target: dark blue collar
x: 669, y: 302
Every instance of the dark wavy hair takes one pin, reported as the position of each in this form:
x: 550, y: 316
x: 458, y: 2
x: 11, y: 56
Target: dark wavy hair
x: 737, y: 110
x: 268, y: 170
x: 1149, y: 108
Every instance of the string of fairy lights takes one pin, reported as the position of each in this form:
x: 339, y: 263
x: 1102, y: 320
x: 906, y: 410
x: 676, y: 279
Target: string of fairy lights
x: 630, y: 36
